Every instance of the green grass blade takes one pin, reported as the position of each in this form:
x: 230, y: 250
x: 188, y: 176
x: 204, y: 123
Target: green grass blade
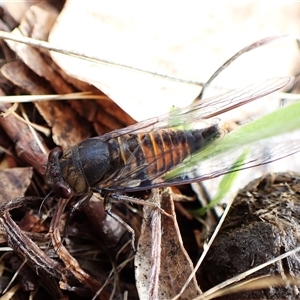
x: 281, y: 121
x: 224, y: 187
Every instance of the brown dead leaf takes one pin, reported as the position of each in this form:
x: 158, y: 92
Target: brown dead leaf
x: 19, y: 74
x: 162, y: 264
x: 32, y: 223
x: 66, y: 125
x: 14, y: 183
x: 59, y: 116
x: 102, y: 121
x: 36, y: 23
x: 7, y: 22
x: 108, y: 229
x: 35, y: 61
x: 25, y: 144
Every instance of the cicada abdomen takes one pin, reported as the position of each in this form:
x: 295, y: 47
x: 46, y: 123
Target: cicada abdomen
x: 124, y: 162
x: 147, y: 156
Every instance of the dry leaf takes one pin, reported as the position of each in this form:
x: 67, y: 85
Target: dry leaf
x: 189, y: 41
x: 14, y: 183
x: 162, y: 264
x: 25, y: 143
x: 172, y: 44
x: 17, y: 10
x: 37, y: 23
x: 66, y: 125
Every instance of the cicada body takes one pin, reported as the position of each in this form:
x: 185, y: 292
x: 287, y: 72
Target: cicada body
x: 140, y: 159
x: 139, y: 156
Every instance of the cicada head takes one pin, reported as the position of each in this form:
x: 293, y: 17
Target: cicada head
x: 53, y: 177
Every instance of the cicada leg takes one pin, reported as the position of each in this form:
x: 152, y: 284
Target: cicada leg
x: 107, y: 207
x: 79, y: 201
x: 108, y: 197
x: 140, y: 202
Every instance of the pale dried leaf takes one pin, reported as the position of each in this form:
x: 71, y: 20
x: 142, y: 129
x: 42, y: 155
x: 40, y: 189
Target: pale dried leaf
x: 162, y: 263
x: 189, y: 41
x: 18, y: 8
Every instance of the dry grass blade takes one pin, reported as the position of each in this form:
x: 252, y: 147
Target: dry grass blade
x: 33, y: 98
x: 9, y: 294
x: 18, y: 37
x: 232, y: 286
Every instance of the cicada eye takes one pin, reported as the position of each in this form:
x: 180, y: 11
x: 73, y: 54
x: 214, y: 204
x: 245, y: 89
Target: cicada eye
x: 55, y: 154
x: 62, y: 190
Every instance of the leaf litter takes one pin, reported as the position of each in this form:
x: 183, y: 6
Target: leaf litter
x: 94, y: 256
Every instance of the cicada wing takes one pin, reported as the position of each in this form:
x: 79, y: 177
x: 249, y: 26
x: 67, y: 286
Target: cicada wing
x: 258, y: 154
x: 204, y: 109
x: 192, y: 170
x: 138, y: 174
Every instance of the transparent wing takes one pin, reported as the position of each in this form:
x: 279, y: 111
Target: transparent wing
x: 259, y: 153
x: 204, y: 109
x: 191, y: 170
x: 132, y: 176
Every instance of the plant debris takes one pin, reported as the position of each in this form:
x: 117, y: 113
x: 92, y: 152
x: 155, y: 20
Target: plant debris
x: 263, y: 222
x: 58, y: 249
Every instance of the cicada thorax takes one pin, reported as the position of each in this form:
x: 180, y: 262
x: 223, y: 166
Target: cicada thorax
x: 82, y: 166
x: 160, y: 151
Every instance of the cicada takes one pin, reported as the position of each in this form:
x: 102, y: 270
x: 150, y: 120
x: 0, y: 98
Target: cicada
x: 140, y: 156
